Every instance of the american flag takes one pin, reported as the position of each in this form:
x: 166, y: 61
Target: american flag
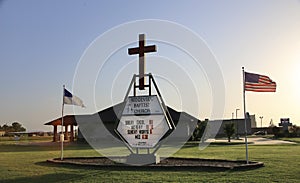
x: 259, y: 83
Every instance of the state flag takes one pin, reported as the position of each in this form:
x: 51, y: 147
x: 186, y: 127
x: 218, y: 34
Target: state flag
x: 72, y: 99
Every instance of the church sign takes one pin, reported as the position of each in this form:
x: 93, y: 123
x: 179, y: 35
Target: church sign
x: 143, y: 122
x: 142, y: 105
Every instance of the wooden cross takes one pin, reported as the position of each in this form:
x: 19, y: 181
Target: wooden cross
x: 141, y: 50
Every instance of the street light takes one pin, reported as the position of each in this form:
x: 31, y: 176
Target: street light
x: 237, y: 124
x: 261, y: 117
x: 236, y: 110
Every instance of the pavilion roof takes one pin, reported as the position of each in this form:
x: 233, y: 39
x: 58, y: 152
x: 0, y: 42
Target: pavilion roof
x: 68, y: 120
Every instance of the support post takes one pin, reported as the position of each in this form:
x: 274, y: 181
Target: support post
x: 72, y: 133
x: 66, y: 132
x: 54, y: 133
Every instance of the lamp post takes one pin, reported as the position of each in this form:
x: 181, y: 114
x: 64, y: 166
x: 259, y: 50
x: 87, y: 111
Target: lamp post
x: 236, y: 110
x: 237, y: 124
x: 261, y: 117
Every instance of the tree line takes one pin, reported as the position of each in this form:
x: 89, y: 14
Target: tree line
x: 14, y: 127
x: 229, y: 130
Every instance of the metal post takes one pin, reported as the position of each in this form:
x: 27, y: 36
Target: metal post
x: 244, y: 100
x: 62, y: 127
x: 237, y: 124
x: 149, y: 77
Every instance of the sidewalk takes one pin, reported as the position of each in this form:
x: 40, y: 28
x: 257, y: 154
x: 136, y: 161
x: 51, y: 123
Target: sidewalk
x: 254, y: 140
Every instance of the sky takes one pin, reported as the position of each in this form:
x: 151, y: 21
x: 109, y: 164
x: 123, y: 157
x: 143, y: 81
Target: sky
x: 42, y: 44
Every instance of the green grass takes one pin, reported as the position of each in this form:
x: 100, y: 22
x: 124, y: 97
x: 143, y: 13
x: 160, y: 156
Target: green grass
x: 24, y: 139
x: 26, y: 163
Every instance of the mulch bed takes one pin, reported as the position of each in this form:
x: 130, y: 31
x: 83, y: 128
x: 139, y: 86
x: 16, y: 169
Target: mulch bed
x: 167, y: 162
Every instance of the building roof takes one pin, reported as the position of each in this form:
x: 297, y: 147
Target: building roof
x: 109, y: 115
x: 68, y: 120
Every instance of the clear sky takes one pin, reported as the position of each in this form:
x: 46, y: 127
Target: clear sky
x: 41, y: 43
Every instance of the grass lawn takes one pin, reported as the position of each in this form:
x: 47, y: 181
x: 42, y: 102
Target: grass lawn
x: 24, y: 140
x: 26, y: 163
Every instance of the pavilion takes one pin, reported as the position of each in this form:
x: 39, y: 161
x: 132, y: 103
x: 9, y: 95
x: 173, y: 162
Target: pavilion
x: 69, y: 120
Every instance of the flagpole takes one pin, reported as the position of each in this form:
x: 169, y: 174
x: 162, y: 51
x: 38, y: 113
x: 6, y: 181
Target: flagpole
x: 244, y: 99
x: 62, y: 127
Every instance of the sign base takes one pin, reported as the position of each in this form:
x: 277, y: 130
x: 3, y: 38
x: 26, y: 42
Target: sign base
x: 142, y: 159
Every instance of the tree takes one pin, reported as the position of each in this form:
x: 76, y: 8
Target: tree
x: 5, y: 128
x: 275, y: 131
x: 294, y: 130
x: 271, y: 123
x: 229, y: 130
x: 199, y: 130
x: 17, y: 127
